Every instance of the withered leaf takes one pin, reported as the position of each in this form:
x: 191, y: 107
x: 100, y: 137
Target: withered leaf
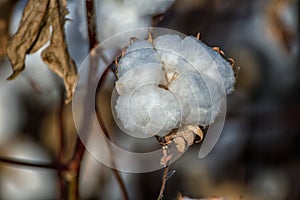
x: 6, y: 9
x: 57, y: 55
x: 43, y: 36
x: 196, y: 129
x: 23, y: 40
x: 180, y: 144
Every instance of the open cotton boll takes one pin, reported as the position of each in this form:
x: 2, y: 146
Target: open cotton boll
x: 138, y: 76
x: 139, y: 53
x: 171, y: 82
x: 149, y: 111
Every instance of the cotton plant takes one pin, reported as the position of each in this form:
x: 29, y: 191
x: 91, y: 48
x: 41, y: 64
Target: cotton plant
x: 169, y: 87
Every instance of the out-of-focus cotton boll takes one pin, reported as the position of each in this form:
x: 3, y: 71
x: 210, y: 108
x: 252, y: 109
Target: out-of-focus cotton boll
x: 149, y: 7
x: 11, y: 114
x: 149, y: 111
x: 114, y: 17
x: 23, y: 183
x: 186, y: 87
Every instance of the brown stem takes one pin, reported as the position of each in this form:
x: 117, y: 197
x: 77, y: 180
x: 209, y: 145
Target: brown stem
x: 116, y: 173
x: 60, y: 169
x: 73, y: 173
x: 163, y: 184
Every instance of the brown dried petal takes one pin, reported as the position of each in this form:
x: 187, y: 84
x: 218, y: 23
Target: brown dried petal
x: 188, y: 136
x: 57, y: 55
x: 180, y: 144
x: 22, y: 41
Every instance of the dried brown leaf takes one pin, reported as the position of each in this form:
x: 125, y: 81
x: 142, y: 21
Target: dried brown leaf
x: 196, y: 129
x: 23, y: 40
x: 43, y: 36
x: 56, y: 55
x: 6, y: 8
x: 277, y: 26
x: 180, y: 144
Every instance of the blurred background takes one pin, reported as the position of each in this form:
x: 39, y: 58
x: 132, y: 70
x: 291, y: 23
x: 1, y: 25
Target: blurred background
x: 258, y: 154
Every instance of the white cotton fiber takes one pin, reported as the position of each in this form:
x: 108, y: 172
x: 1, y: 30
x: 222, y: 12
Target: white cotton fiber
x: 138, y: 76
x: 171, y: 82
x: 138, y: 54
x: 149, y: 111
x: 193, y: 95
x: 224, y: 69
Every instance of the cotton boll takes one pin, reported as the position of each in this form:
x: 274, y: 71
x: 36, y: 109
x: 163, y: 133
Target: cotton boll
x: 149, y: 111
x: 139, y: 53
x: 11, y: 112
x: 139, y: 76
x: 114, y: 17
x: 196, y: 77
x: 149, y: 7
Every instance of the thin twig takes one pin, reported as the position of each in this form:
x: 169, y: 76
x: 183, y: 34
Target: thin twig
x: 60, y: 169
x: 75, y: 163
x: 163, y: 184
x: 27, y: 163
x: 115, y: 172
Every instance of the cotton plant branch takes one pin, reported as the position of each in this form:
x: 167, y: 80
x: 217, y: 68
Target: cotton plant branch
x: 164, y: 182
x: 27, y: 163
x: 75, y: 162
x: 115, y: 172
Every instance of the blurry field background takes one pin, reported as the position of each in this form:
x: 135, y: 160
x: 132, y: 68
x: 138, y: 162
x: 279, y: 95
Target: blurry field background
x: 258, y: 154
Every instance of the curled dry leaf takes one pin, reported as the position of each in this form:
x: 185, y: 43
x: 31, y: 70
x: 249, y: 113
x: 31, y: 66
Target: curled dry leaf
x: 34, y: 32
x: 56, y: 55
x: 20, y: 44
x: 6, y: 8
x: 196, y: 129
x: 277, y: 26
